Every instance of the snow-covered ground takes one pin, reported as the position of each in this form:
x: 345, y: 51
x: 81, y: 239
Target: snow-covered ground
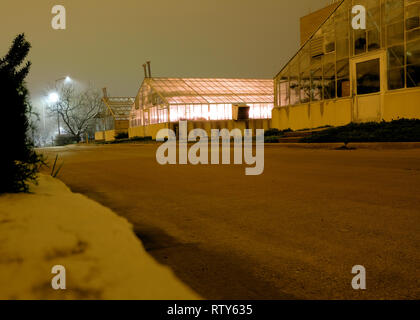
x: 102, y: 256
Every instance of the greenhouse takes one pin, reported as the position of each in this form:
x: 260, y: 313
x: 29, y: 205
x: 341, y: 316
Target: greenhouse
x: 342, y: 75
x: 114, y: 117
x: 204, y: 103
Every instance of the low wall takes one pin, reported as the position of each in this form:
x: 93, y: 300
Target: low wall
x: 121, y: 125
x: 99, y: 135
x: 152, y: 130
x: 401, y: 104
x: 136, y: 132
x: 110, y: 135
x: 313, y: 115
x: 404, y: 103
x: 252, y: 124
x: 146, y: 131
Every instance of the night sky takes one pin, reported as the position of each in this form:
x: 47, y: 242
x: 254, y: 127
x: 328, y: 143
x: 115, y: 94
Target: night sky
x: 106, y: 42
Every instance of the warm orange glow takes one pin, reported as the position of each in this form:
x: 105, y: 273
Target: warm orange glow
x: 200, y: 99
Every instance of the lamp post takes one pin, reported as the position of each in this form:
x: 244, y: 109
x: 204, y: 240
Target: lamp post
x: 54, y: 98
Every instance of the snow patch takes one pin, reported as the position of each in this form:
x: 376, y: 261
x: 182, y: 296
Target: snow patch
x: 102, y: 256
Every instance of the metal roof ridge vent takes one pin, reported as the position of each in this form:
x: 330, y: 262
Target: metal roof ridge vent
x: 105, y: 93
x: 149, y: 69
x: 145, y: 71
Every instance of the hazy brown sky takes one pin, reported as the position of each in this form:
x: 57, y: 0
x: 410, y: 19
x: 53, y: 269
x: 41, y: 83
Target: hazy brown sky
x: 108, y: 41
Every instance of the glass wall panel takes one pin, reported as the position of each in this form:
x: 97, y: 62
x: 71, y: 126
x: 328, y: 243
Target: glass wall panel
x: 392, y: 11
x: 368, y: 79
x: 163, y: 115
x: 413, y: 34
x: 395, y: 33
x: 284, y: 91
x: 343, y: 78
x: 342, y: 23
x: 316, y: 82
x: 181, y: 112
x: 374, y: 41
x: 329, y: 76
x: 373, y: 13
x: 153, y: 115
x: 413, y: 63
x: 260, y: 110
x: 221, y: 111
x: 373, y: 24
x: 229, y: 111
x: 146, y: 117
x: 412, y: 22
x: 342, y: 48
x: 393, y: 21
x: 294, y: 83
x: 255, y: 111
x: 305, y: 86
x: 329, y: 42
x: 396, y: 77
x: 359, y: 41
x: 213, y: 112
x: 413, y: 76
x: 205, y: 111
x: 412, y: 15
x: 305, y: 82
x: 174, y: 113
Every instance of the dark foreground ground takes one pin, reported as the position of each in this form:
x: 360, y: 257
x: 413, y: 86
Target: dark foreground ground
x: 294, y: 232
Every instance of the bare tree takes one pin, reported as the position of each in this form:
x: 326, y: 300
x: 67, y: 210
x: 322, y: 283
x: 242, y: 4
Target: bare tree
x: 77, y: 109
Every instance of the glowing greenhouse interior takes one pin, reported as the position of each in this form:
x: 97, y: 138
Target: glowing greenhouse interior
x: 163, y: 100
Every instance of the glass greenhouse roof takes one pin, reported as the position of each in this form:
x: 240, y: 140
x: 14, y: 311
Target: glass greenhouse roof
x: 119, y: 107
x: 208, y: 91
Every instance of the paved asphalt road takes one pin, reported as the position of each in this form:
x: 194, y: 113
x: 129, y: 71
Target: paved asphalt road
x: 294, y: 232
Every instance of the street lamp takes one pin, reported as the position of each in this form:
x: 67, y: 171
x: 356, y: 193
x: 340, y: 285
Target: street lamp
x: 54, y: 97
x: 66, y: 80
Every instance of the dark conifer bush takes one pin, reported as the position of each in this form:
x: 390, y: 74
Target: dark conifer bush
x: 18, y: 161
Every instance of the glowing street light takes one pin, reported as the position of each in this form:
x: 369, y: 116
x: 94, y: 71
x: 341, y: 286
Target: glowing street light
x: 66, y: 80
x: 53, y: 97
